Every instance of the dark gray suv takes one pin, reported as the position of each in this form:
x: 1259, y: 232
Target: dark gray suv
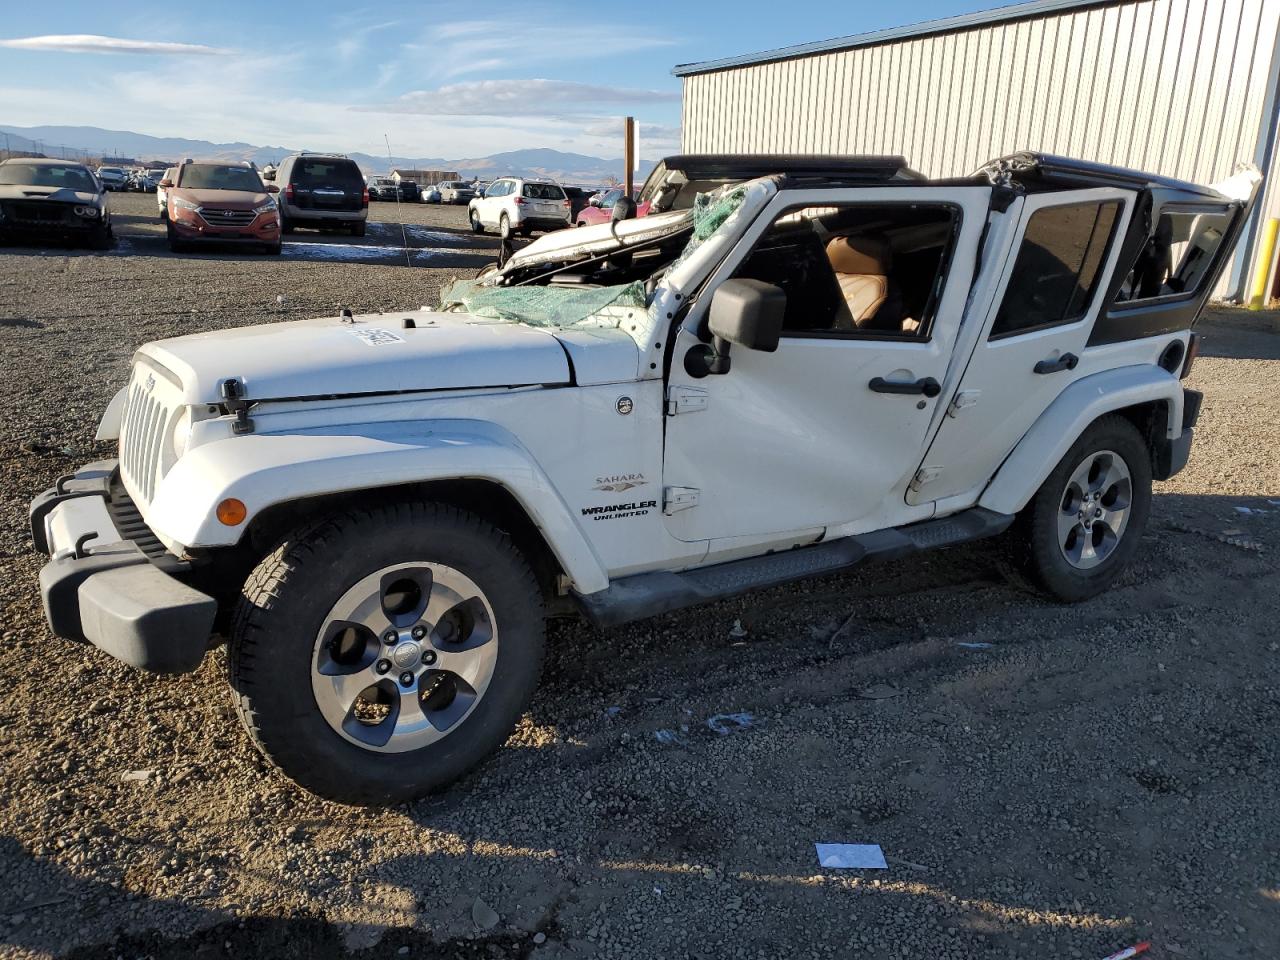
x: 322, y: 191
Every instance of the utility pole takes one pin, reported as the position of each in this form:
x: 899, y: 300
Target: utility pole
x: 629, y: 133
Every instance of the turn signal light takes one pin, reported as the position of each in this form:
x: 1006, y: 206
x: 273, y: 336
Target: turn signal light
x: 232, y: 512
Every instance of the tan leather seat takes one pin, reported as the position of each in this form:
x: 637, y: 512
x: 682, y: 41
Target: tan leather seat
x: 861, y: 265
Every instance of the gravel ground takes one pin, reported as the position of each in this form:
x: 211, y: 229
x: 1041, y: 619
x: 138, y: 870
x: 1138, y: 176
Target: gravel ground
x: 1101, y: 774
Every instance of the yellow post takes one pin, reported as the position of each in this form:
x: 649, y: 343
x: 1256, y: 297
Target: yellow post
x: 1262, y: 269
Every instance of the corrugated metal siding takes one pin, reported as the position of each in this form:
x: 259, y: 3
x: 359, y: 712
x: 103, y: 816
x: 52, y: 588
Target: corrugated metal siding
x: 1173, y: 86
x: 1176, y: 87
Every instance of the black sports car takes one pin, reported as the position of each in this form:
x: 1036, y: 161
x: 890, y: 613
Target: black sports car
x: 53, y: 200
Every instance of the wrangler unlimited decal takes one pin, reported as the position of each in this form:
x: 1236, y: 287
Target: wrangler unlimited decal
x: 616, y: 511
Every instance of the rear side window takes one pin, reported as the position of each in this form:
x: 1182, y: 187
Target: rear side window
x: 321, y: 171
x: 542, y: 191
x: 1058, y: 268
x: 1179, y: 257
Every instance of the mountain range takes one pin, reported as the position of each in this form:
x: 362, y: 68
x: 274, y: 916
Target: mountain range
x: 95, y: 142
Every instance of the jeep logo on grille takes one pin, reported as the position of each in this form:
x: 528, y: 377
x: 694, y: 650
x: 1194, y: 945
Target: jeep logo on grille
x: 150, y: 382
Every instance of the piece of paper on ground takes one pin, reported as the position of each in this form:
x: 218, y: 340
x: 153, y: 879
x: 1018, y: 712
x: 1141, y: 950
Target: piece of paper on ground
x: 851, y: 856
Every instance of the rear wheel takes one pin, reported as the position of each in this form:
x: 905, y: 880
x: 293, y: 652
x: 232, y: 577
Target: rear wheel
x: 378, y: 655
x: 358, y: 230
x: 504, y: 227
x: 1084, y: 524
x: 286, y: 225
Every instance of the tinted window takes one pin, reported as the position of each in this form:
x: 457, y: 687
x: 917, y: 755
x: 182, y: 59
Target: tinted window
x: 542, y: 191
x: 39, y: 175
x: 211, y: 176
x: 1179, y: 256
x: 309, y: 172
x: 1058, y: 267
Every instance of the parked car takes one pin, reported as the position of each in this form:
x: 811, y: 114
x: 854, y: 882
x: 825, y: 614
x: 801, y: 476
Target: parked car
x: 162, y: 194
x: 140, y: 181
x: 53, y: 200
x: 322, y: 191
x: 599, y: 208
x: 113, y: 178
x: 225, y: 202
x: 381, y: 188
x: 429, y: 193
x: 456, y: 191
x: 517, y: 205
x: 578, y: 198
x: 380, y: 510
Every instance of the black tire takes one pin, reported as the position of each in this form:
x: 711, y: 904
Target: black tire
x: 526, y: 231
x: 175, y: 243
x: 273, y: 249
x: 286, y: 225
x: 285, y: 603
x: 1039, y: 551
x: 474, y: 216
x: 358, y: 230
x: 504, y: 227
x: 101, y: 238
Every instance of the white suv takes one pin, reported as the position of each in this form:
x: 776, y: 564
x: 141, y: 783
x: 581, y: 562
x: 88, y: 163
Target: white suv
x: 515, y: 205
x: 792, y: 365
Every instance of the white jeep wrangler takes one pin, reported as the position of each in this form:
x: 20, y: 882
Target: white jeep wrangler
x: 791, y: 366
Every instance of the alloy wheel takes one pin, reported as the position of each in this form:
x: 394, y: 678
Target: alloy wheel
x: 1094, y: 509
x: 404, y: 656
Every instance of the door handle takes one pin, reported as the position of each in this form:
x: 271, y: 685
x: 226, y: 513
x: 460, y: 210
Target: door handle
x: 1067, y: 361
x: 926, y: 385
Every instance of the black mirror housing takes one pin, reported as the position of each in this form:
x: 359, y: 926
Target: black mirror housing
x: 749, y: 313
x: 624, y: 208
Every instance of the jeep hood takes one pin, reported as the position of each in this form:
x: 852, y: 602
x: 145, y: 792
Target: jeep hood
x: 366, y: 355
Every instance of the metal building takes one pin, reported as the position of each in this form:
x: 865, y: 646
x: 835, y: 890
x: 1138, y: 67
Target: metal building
x: 1185, y: 88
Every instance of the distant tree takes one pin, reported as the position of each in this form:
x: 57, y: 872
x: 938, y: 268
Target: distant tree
x: 612, y: 181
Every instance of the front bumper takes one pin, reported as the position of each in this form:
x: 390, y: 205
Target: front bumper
x: 110, y: 588
x: 264, y: 229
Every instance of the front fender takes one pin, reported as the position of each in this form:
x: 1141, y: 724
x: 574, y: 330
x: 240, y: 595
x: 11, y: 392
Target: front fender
x: 1079, y: 405
x: 265, y: 469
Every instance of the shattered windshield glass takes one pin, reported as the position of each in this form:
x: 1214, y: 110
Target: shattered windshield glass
x: 581, y: 305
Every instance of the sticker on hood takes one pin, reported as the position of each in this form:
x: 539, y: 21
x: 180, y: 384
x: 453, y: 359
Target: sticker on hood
x: 376, y: 336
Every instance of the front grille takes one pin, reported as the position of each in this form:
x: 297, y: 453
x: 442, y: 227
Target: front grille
x: 35, y: 212
x: 227, y: 218
x: 142, y: 436
x: 129, y: 523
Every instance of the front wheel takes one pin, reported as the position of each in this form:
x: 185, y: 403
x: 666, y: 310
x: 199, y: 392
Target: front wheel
x: 380, y: 654
x: 1084, y: 524
x: 476, y: 225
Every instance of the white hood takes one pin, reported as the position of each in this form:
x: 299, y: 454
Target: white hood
x: 368, y: 354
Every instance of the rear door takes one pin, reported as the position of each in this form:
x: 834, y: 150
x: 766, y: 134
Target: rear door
x: 327, y: 183
x: 545, y: 199
x: 1055, y: 278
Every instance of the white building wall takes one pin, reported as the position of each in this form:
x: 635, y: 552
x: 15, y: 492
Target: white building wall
x: 1182, y: 88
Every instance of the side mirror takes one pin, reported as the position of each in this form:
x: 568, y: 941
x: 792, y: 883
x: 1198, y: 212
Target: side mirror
x: 749, y: 313
x: 166, y: 184
x: 272, y: 188
x: 269, y: 175
x: 594, y: 201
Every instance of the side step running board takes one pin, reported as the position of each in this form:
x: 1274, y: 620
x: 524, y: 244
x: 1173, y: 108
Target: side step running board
x: 650, y: 594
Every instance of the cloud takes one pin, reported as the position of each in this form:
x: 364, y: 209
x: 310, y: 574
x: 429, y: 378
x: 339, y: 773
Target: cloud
x: 91, y: 43
x: 514, y: 39
x: 516, y: 98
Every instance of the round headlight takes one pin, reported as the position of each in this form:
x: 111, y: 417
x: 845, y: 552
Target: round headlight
x: 181, y: 433
x: 86, y: 211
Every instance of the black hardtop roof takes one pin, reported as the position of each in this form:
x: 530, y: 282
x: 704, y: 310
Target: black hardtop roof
x: 1049, y: 170
x: 1030, y: 169
x: 748, y: 166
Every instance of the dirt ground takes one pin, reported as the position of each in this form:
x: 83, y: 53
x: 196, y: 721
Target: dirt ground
x: 1045, y: 780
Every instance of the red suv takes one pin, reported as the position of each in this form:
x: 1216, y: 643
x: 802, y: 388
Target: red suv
x: 599, y: 208
x: 221, y: 201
